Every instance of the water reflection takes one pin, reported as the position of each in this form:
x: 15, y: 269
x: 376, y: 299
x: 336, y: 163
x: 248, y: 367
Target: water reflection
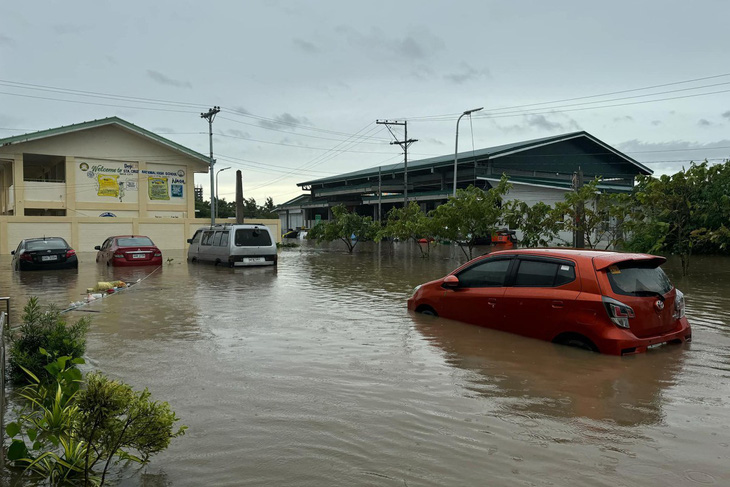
x: 533, y: 379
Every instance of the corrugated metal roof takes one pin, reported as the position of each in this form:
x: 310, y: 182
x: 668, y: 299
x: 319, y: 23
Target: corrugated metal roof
x: 41, y: 134
x: 491, y: 152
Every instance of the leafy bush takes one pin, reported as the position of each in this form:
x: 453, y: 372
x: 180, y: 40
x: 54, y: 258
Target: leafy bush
x: 43, y: 337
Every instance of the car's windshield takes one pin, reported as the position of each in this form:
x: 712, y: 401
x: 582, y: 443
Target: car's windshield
x: 252, y: 237
x: 134, y: 242
x: 48, y: 244
x: 638, y: 280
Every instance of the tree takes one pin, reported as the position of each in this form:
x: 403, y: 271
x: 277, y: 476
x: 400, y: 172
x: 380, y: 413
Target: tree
x: 349, y: 227
x: 410, y: 223
x: 599, y: 217
x: 683, y: 213
x: 472, y: 213
x: 539, y: 223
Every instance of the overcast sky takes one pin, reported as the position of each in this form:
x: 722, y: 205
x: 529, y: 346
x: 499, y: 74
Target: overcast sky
x: 301, y: 84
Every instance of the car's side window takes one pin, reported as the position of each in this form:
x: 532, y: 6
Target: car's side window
x: 537, y: 273
x: 491, y: 273
x: 208, y: 238
x: 106, y: 244
x: 224, y: 239
x: 196, y: 237
x: 217, y: 238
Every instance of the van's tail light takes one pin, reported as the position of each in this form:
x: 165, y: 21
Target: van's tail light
x: 679, y: 305
x: 70, y: 253
x: 618, y: 312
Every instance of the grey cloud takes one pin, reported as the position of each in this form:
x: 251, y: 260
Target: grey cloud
x: 64, y: 29
x: 726, y: 114
x: 237, y: 133
x: 6, y: 41
x: 704, y: 123
x: 415, y: 46
x: 541, y: 122
x: 165, y: 80
x: 423, y: 72
x: 674, y: 153
x: 625, y: 118
x: 656, y: 123
x: 306, y: 46
x: 286, y: 119
x: 240, y: 110
x: 467, y: 73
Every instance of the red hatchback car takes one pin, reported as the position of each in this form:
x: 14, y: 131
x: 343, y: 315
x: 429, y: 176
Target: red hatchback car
x: 128, y: 250
x: 609, y: 302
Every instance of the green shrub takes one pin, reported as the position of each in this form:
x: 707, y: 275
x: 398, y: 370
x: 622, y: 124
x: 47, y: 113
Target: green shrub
x: 43, y: 337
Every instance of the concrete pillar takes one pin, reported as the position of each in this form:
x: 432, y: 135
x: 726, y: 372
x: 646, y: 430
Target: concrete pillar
x: 19, y: 185
x: 142, y: 193
x: 71, y: 186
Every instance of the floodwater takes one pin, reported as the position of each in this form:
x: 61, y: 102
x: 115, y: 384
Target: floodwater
x: 314, y: 374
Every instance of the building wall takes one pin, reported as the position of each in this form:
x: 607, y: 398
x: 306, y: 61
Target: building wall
x: 83, y: 234
x: 108, y: 169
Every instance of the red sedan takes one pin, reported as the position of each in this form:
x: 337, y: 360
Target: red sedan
x: 128, y: 250
x: 609, y: 302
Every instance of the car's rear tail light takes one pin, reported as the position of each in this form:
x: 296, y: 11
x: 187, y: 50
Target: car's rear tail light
x: 158, y: 254
x: 118, y: 256
x: 70, y: 253
x: 26, y: 257
x: 679, y: 305
x: 618, y: 312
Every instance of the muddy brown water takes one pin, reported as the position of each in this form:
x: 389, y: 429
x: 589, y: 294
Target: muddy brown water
x: 314, y: 374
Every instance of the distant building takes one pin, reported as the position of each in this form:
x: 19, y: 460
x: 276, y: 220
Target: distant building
x: 68, y: 182
x: 539, y: 170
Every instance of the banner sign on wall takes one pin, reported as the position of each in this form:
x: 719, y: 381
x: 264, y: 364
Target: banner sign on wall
x: 158, y: 188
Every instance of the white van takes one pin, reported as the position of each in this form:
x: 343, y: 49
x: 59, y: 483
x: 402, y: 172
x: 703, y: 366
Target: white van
x: 233, y: 245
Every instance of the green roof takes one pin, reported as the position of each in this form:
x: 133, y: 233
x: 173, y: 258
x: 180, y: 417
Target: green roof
x: 490, y: 152
x: 41, y: 134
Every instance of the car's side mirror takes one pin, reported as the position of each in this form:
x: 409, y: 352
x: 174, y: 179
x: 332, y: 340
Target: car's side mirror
x: 451, y: 281
x: 12, y: 252
x: 190, y: 240
x: 98, y: 247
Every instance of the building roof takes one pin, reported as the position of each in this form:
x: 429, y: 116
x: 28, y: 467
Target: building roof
x: 489, y: 152
x: 66, y: 129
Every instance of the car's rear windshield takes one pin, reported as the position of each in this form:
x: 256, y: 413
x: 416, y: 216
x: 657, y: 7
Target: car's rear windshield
x: 134, y: 242
x: 252, y: 237
x: 48, y: 244
x: 638, y: 280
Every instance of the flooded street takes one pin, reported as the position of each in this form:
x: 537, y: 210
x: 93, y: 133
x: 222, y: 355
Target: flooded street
x: 314, y: 374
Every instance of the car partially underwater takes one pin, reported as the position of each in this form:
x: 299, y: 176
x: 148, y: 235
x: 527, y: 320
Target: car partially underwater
x: 608, y: 302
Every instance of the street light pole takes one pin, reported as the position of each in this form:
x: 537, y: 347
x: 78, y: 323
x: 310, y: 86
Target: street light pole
x: 216, y: 186
x: 456, y: 149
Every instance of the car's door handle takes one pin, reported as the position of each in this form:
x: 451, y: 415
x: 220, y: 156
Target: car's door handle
x: 557, y: 304
x: 492, y: 302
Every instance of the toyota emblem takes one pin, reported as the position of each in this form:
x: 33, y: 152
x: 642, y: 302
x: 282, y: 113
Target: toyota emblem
x: 659, y: 305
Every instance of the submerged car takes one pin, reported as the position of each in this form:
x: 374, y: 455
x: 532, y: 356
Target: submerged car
x: 128, y: 250
x: 234, y: 245
x: 44, y: 253
x: 609, y: 302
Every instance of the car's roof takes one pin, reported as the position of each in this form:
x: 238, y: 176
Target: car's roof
x: 129, y: 236
x: 601, y: 258
x: 226, y: 226
x: 43, y: 238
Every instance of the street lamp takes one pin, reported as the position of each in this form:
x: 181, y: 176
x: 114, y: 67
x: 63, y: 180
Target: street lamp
x: 456, y: 149
x: 216, y: 188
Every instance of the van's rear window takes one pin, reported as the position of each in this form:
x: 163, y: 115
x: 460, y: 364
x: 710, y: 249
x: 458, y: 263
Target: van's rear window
x: 638, y: 280
x: 252, y: 237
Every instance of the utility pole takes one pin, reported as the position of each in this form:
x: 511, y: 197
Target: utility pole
x: 210, y: 116
x: 380, y: 194
x: 239, y: 197
x: 404, y: 145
